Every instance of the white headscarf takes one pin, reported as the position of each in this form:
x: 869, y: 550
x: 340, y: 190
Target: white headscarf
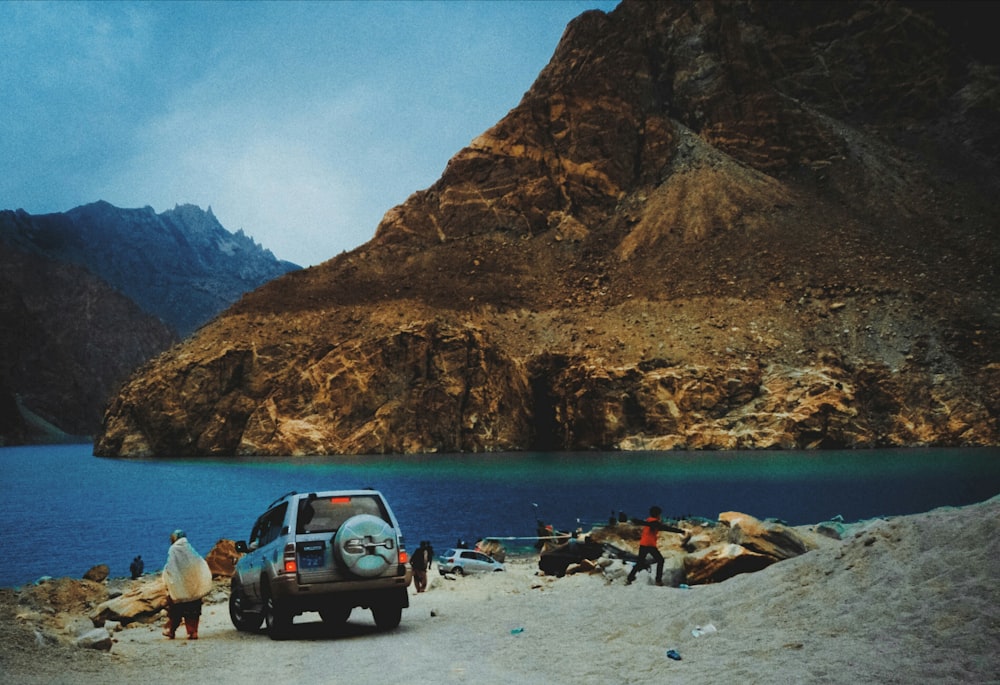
x: 186, y: 574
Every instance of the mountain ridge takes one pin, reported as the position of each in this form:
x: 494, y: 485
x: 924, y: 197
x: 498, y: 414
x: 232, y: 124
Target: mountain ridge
x: 706, y: 225
x: 91, y: 293
x: 151, y: 257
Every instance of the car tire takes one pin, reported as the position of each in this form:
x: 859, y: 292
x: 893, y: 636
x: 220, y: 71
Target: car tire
x: 276, y: 619
x: 387, y: 616
x: 245, y: 621
x: 366, y: 546
x: 458, y: 571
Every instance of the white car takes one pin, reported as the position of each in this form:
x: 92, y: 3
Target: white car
x: 462, y: 561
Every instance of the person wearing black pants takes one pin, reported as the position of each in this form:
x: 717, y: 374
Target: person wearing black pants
x: 648, y: 544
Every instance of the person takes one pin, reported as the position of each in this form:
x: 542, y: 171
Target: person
x: 188, y: 580
x: 136, y: 567
x: 648, y: 541
x: 420, y: 563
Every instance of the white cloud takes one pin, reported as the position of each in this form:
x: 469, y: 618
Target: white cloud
x: 301, y: 123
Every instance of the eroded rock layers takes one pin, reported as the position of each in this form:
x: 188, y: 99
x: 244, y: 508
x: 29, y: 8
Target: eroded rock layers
x: 706, y: 225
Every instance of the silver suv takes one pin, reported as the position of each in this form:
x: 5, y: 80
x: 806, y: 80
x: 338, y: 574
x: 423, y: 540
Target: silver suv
x: 325, y: 551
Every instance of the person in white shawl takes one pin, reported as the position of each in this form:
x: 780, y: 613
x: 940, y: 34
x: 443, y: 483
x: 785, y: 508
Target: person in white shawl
x: 188, y: 579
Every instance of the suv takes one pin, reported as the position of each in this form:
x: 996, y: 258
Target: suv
x: 325, y: 551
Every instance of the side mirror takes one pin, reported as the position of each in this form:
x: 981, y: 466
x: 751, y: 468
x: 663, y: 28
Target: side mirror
x: 241, y: 547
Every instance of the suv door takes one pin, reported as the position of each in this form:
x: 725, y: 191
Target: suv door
x: 264, y: 553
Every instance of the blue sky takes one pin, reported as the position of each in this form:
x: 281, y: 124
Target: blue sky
x: 300, y: 122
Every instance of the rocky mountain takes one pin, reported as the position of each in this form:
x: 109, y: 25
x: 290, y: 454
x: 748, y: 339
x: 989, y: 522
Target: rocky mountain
x: 91, y: 293
x: 67, y: 341
x: 708, y: 224
x: 180, y: 265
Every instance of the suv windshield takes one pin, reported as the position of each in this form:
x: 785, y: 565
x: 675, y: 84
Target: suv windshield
x: 326, y: 514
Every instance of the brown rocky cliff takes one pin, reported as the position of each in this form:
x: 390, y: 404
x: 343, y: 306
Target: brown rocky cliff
x: 707, y: 224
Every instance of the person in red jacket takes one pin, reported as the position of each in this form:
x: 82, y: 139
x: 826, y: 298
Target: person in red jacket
x: 651, y: 528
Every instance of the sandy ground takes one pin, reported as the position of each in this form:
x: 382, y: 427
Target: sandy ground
x: 907, y: 600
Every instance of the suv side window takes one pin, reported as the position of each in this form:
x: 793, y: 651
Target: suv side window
x: 268, y: 527
x: 326, y: 514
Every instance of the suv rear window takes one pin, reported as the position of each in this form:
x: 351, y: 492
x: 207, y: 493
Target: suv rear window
x: 326, y: 514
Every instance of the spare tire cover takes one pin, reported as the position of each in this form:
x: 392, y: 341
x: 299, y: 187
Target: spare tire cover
x: 366, y: 545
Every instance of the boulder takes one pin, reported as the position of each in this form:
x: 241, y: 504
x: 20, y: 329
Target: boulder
x: 98, y: 638
x: 770, y: 539
x: 831, y: 529
x: 222, y: 559
x: 555, y: 562
x: 702, y: 540
x: 98, y: 573
x: 721, y: 562
x: 143, y: 602
x: 494, y: 548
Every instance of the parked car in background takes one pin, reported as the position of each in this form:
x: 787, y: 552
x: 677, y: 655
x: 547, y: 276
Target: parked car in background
x: 462, y: 561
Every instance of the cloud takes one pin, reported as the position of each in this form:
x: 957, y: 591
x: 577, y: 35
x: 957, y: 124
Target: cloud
x: 301, y: 123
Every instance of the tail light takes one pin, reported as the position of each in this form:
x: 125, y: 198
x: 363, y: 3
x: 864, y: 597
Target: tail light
x: 403, y: 556
x: 290, y: 565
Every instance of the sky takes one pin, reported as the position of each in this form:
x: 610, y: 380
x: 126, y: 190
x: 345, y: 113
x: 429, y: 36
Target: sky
x: 300, y: 123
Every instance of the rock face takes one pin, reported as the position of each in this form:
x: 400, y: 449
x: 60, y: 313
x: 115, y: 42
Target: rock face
x: 67, y: 341
x: 90, y: 294
x: 706, y: 225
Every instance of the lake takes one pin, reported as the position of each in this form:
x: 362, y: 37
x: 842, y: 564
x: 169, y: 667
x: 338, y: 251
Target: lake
x: 64, y: 510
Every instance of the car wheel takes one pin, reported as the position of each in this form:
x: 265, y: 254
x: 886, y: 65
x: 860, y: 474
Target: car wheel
x: 276, y: 619
x: 458, y: 571
x: 366, y: 546
x: 245, y: 621
x: 335, y: 615
x: 387, y: 616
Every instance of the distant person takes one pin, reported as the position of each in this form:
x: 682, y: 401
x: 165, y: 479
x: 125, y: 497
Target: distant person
x: 136, y: 567
x: 419, y: 562
x: 188, y: 579
x: 430, y: 555
x: 648, y: 542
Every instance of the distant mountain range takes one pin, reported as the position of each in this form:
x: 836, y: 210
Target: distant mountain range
x: 180, y: 265
x: 88, y: 295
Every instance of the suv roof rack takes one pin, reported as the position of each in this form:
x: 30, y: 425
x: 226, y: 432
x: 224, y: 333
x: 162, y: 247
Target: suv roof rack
x: 287, y: 494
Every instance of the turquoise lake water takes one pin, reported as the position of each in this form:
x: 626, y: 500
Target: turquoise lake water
x: 64, y: 510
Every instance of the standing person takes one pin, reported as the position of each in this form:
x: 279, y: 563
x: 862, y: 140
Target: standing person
x: 648, y: 544
x: 419, y: 562
x: 188, y: 579
x: 136, y: 567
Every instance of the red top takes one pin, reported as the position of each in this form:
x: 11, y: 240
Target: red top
x: 649, y: 534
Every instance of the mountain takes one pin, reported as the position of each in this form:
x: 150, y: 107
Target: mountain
x: 180, y: 265
x: 707, y: 224
x: 67, y: 341
x: 90, y: 294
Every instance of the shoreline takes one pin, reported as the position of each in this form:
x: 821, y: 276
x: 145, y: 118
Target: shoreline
x: 903, y: 599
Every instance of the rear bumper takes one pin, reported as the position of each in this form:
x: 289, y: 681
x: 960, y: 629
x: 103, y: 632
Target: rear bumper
x: 300, y: 597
